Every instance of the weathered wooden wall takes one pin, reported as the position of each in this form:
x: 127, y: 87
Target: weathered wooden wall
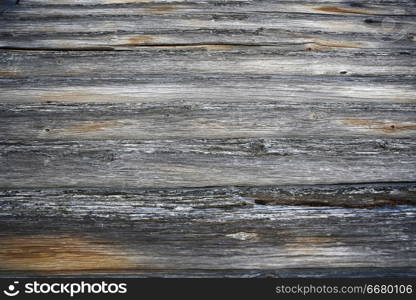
x: 208, y: 138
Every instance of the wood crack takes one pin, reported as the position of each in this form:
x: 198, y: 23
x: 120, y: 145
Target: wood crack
x: 135, y: 44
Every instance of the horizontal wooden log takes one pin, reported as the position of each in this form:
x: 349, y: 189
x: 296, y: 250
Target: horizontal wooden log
x: 192, y: 119
x: 174, y: 90
x: 385, y: 7
x: 207, y: 232
x: 130, y: 24
x: 213, y: 162
x: 100, y: 202
x: 239, y: 61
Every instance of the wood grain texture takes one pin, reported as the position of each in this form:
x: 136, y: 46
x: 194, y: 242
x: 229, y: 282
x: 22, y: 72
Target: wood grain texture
x: 201, y: 232
x: 186, y: 119
x: 198, y: 163
x: 188, y: 138
x: 191, y: 61
x: 126, y: 24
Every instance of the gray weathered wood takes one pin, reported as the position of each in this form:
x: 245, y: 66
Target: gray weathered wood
x: 202, y: 162
x: 205, y: 119
x: 188, y: 61
x: 207, y: 138
x: 126, y: 24
x: 201, y: 232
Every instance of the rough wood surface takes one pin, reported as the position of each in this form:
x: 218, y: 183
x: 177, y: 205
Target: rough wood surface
x: 208, y: 138
x: 223, y: 231
x: 126, y: 24
x: 198, y: 163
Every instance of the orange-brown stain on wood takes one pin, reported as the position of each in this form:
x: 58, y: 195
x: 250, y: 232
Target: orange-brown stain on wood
x: 51, y: 253
x: 399, y: 127
x: 86, y: 127
x: 160, y: 9
x: 388, y: 127
x: 343, y: 10
x: 217, y: 47
x: 9, y: 73
x: 325, y: 45
x: 358, y: 122
x: 137, y: 41
x: 144, y: 41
